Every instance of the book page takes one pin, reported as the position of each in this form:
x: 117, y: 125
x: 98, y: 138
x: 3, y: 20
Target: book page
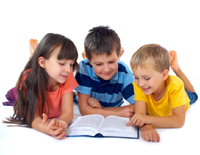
x: 88, y: 120
x: 115, y: 126
x: 115, y: 122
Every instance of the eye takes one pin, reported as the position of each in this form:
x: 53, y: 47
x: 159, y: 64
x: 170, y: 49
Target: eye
x: 62, y: 64
x: 147, y: 78
x: 72, y: 64
x: 112, y: 62
x: 136, y: 78
x: 98, y: 64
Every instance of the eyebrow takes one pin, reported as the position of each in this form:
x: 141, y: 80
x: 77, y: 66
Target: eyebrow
x: 108, y: 61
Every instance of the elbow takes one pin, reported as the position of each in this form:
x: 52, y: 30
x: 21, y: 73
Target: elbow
x: 179, y: 124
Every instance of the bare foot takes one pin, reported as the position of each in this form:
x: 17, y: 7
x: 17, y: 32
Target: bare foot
x: 121, y: 52
x: 32, y: 46
x: 83, y: 55
x: 174, y: 61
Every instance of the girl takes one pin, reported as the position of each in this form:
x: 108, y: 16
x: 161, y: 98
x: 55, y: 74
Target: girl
x: 45, y: 87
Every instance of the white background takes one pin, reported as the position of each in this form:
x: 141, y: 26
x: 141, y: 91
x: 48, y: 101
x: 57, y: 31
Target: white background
x: 173, y: 24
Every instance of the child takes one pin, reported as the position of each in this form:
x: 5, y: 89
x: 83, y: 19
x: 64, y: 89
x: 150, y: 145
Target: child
x: 164, y: 97
x: 103, y: 80
x: 45, y: 86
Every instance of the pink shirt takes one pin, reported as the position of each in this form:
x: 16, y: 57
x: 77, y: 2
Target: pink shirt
x: 55, y: 98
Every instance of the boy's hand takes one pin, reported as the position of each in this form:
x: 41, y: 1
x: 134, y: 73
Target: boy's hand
x: 127, y: 112
x: 94, y: 103
x: 58, y: 133
x: 139, y: 120
x: 150, y: 134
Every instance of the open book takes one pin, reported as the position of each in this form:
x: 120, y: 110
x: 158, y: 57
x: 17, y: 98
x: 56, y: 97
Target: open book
x: 98, y: 126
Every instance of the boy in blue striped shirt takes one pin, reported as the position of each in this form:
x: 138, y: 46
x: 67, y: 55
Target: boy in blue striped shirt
x: 103, y: 80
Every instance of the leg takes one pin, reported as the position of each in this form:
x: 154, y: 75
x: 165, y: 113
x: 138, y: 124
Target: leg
x: 177, y: 70
x: 32, y: 46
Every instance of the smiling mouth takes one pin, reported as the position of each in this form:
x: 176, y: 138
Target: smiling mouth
x: 145, y: 89
x: 64, y: 76
x: 106, y: 73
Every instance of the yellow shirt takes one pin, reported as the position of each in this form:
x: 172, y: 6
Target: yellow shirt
x: 175, y: 96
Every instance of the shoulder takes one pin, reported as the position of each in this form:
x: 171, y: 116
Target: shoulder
x: 174, y: 81
x: 85, y: 67
x: 123, y: 67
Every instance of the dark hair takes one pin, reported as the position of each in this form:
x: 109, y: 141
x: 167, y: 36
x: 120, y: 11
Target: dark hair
x: 100, y: 40
x: 35, y: 84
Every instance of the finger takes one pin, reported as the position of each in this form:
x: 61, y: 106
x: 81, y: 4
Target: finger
x: 56, y: 132
x: 150, y: 137
x: 61, y: 135
x: 130, y: 121
x: 44, y: 119
x: 51, y: 124
x: 145, y: 136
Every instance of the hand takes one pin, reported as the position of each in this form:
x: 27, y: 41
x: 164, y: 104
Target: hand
x: 150, y: 134
x: 48, y: 128
x: 60, y: 124
x: 94, y: 103
x: 126, y: 112
x: 139, y: 120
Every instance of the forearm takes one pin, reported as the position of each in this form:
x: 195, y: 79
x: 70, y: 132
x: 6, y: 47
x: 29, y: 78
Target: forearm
x: 172, y: 121
x: 187, y: 84
x: 37, y: 124
x: 67, y: 117
x: 88, y: 110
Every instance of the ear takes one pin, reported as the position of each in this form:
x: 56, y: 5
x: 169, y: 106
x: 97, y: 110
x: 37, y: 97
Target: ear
x: 41, y: 61
x: 165, y: 74
x: 121, y: 52
x: 89, y: 61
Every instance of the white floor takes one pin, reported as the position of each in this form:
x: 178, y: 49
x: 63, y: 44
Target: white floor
x: 173, y: 24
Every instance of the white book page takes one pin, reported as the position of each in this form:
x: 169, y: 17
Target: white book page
x: 86, y: 125
x: 116, y: 126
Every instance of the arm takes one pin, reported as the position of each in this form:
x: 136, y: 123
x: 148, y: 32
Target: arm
x: 44, y: 126
x: 147, y: 131
x: 67, y: 110
x: 176, y: 120
x: 86, y: 109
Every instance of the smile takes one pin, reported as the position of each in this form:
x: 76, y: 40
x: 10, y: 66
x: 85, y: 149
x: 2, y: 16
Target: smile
x: 145, y: 89
x: 64, y: 76
x: 107, y: 73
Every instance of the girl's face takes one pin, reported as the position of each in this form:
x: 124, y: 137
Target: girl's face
x: 58, y: 70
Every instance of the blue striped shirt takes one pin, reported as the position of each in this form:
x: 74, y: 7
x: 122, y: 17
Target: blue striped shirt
x: 109, y: 93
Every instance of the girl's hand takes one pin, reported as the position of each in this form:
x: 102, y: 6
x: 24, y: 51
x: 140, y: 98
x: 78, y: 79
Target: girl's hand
x: 149, y: 134
x: 58, y: 133
x: 139, y: 120
x: 60, y: 124
x: 94, y: 103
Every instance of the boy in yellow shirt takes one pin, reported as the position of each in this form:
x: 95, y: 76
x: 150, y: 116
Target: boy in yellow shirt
x: 164, y: 97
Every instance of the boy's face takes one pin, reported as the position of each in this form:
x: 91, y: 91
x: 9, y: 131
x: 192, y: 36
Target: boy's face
x: 105, y: 66
x: 150, y: 81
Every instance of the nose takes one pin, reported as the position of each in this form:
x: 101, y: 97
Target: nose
x: 141, y: 83
x: 67, y: 68
x: 106, y: 68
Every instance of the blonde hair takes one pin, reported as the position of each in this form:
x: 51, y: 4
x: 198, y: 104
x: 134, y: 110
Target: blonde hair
x: 151, y: 55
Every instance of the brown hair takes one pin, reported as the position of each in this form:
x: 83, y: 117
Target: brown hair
x: 101, y: 40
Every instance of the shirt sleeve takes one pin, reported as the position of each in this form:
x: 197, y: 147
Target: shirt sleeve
x: 83, y: 77
x: 70, y: 84
x: 178, y: 96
